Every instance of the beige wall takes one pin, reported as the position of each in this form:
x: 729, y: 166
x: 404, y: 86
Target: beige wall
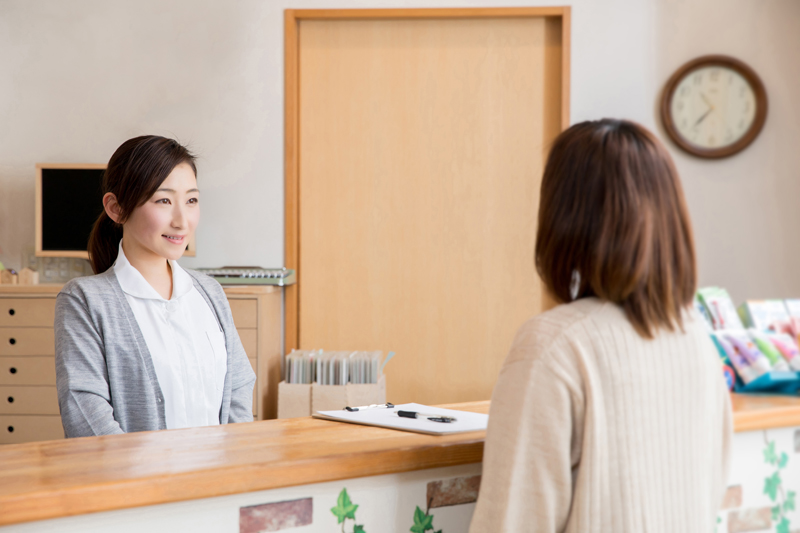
x: 80, y: 77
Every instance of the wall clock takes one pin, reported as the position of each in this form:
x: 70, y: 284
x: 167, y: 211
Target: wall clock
x: 714, y: 106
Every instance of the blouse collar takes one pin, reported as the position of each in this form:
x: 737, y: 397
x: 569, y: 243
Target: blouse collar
x: 133, y: 283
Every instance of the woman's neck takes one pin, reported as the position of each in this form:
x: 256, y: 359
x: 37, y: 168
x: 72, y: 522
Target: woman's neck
x: 155, y: 269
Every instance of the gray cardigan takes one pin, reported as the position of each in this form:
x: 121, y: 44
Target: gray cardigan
x: 104, y: 373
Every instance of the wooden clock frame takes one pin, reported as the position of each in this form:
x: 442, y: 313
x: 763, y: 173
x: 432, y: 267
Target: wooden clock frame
x: 726, y: 62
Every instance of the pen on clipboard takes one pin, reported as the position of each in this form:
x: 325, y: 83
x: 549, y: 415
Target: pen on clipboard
x: 432, y: 418
x: 373, y: 406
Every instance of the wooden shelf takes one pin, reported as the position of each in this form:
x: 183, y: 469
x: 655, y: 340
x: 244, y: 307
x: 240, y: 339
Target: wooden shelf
x: 55, y: 288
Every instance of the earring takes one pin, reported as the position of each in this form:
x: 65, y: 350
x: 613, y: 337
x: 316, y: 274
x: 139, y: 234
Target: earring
x: 575, y: 284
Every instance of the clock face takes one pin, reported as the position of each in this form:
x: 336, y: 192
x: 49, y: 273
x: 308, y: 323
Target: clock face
x: 713, y: 107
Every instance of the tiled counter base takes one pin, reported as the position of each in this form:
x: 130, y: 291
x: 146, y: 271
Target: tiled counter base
x: 764, y: 483
x: 393, y: 503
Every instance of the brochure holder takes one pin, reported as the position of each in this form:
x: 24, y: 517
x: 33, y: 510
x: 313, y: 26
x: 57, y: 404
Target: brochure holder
x: 772, y: 382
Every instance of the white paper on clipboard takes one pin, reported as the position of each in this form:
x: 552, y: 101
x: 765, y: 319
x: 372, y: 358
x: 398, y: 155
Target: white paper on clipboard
x: 387, y: 418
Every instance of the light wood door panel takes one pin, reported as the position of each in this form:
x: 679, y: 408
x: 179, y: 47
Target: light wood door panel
x: 422, y: 144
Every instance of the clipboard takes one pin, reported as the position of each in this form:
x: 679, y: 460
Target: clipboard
x: 387, y: 418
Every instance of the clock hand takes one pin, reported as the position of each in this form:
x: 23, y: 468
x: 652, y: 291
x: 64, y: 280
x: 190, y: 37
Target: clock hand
x: 706, y: 101
x: 701, y: 119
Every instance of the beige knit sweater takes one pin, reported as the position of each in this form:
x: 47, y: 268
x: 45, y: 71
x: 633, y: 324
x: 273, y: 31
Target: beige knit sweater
x: 593, y: 428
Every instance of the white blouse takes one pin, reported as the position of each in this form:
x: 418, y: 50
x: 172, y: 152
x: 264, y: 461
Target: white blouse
x: 185, y: 341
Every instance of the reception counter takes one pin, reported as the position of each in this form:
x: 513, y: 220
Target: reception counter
x: 296, y: 473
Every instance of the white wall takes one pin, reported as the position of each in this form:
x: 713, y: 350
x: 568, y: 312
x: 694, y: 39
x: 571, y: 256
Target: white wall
x: 80, y: 77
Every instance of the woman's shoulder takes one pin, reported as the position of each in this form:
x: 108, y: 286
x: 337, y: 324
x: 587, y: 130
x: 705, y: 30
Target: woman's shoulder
x: 543, y: 332
x: 87, y: 286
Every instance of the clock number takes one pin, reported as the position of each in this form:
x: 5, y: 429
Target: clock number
x: 679, y: 106
x: 714, y: 75
x: 742, y: 91
x: 741, y: 124
x: 729, y: 136
x: 698, y: 79
x: 711, y: 141
x: 746, y: 107
x: 684, y: 123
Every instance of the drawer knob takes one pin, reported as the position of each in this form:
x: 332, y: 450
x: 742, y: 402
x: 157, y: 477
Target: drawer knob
x: 11, y: 312
x: 13, y: 370
x: 10, y: 399
x: 12, y: 340
x: 11, y: 429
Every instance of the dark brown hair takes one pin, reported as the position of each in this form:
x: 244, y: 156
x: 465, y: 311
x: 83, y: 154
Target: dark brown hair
x: 612, y: 210
x: 134, y: 174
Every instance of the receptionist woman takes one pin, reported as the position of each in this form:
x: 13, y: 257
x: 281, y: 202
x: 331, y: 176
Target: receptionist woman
x: 145, y: 344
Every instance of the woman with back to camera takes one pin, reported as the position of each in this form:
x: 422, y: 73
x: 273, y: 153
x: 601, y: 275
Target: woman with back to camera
x: 610, y: 413
x: 145, y: 344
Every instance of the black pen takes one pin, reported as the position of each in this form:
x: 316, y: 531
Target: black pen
x: 432, y: 418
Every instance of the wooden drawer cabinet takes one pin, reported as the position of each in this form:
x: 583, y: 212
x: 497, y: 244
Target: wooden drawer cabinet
x: 27, y: 341
x: 245, y: 313
x: 32, y: 400
x: 27, y: 371
x: 28, y: 398
x: 16, y: 429
x: 249, y: 341
x: 27, y: 312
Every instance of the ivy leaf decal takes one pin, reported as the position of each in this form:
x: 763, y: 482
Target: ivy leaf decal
x: 788, y: 505
x: 784, y: 459
x: 771, y: 486
x: 344, y: 507
x: 783, y: 527
x: 358, y: 528
x: 776, y: 512
x: 769, y: 453
x: 422, y: 522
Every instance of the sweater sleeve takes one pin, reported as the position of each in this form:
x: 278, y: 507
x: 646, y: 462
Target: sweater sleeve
x: 242, y: 376
x: 84, y: 397
x: 242, y: 382
x: 531, y: 449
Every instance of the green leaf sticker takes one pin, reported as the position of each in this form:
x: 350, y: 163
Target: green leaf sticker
x: 783, y: 527
x: 769, y: 453
x: 422, y: 522
x: 776, y: 512
x: 358, y: 528
x: 783, y: 461
x: 771, y: 486
x: 788, y: 504
x: 344, y: 507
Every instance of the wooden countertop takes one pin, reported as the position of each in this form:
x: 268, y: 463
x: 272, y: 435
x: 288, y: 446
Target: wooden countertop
x: 77, y: 476
x: 70, y: 477
x: 763, y: 411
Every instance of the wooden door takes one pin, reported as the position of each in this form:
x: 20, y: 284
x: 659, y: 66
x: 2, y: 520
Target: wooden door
x: 413, y: 186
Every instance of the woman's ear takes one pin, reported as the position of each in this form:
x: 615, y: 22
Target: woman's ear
x: 111, y: 207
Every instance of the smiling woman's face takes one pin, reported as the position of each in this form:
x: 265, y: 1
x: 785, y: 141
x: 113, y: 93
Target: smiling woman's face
x: 165, y: 223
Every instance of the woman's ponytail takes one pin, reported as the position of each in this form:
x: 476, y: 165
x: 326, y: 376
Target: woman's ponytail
x: 134, y: 173
x: 104, y: 243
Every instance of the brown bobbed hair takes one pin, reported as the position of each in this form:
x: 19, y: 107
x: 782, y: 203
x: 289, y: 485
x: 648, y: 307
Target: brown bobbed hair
x: 612, y: 210
x: 134, y: 173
